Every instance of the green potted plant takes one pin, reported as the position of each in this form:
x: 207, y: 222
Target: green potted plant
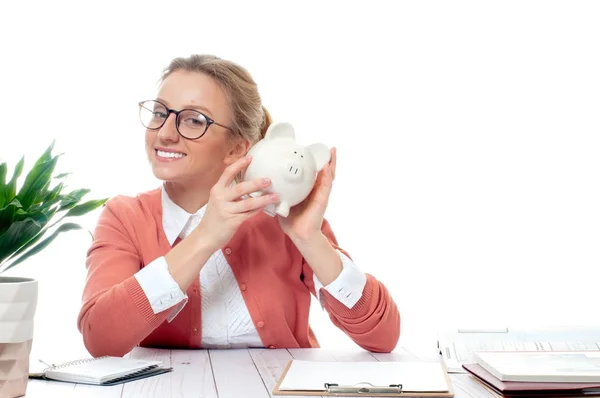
x: 32, y: 215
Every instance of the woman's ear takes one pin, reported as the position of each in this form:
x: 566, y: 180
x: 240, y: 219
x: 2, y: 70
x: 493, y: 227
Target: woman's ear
x: 238, y: 149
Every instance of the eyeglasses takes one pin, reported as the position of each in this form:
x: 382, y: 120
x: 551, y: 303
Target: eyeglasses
x: 190, y: 123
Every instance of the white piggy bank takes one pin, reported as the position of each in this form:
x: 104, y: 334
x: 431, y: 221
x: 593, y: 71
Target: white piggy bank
x: 292, y: 168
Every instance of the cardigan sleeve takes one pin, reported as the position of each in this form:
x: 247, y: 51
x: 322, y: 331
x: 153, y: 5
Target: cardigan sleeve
x: 348, y: 287
x: 373, y: 322
x: 115, y: 315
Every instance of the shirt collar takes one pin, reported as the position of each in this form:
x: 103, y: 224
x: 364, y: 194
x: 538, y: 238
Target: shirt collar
x: 176, y: 221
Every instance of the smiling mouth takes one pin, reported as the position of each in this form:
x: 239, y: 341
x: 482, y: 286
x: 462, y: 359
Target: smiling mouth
x: 169, y: 155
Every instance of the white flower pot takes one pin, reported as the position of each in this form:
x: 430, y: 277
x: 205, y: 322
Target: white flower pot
x: 18, y: 302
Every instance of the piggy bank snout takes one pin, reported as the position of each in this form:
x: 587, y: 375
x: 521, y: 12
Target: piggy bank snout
x: 293, y: 170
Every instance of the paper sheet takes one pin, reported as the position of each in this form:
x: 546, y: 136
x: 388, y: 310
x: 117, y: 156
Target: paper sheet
x: 569, y: 366
x: 414, y: 376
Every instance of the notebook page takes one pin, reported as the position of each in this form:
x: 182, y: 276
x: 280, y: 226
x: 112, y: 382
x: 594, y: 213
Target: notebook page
x: 100, y: 370
x: 414, y: 376
x: 575, y: 366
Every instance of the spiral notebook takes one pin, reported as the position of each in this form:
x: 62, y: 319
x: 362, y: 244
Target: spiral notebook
x: 105, y: 371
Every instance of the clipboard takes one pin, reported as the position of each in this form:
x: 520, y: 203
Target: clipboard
x: 362, y: 389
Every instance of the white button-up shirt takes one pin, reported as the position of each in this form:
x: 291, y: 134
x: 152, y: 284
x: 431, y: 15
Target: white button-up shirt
x: 226, y: 322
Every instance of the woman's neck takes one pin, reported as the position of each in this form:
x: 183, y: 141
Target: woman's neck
x: 189, y: 198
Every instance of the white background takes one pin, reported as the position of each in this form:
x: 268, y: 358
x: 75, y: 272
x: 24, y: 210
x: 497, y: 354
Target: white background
x: 467, y: 136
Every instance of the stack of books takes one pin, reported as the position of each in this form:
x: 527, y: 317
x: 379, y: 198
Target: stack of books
x: 538, y: 374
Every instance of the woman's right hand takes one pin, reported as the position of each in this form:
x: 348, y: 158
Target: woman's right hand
x: 227, y: 208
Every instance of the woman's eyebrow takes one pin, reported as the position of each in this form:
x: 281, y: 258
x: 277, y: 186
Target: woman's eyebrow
x: 189, y: 106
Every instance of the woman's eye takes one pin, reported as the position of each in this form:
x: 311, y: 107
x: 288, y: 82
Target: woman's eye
x: 196, y: 121
x: 160, y: 115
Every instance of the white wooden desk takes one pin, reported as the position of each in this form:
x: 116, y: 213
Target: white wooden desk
x: 228, y: 374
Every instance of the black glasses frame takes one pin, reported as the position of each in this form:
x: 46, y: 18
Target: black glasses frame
x: 209, y: 121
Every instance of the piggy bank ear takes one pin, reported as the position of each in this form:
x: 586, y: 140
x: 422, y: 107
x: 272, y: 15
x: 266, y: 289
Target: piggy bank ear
x: 280, y: 130
x: 321, y: 154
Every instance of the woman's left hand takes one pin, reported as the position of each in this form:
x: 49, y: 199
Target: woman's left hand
x: 305, y: 219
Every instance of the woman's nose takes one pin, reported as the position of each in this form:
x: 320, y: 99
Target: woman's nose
x: 168, y: 132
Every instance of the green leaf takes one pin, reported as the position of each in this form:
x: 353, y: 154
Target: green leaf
x: 43, y: 219
x: 41, y: 216
x: 72, y: 198
x: 29, y: 243
x: 16, y: 236
x: 43, y: 244
x: 47, y: 155
x: 7, y: 214
x: 11, y: 187
x: 36, y: 180
x: 3, y: 171
x: 85, y: 208
x: 3, y: 193
x: 26, y: 216
x: 38, y: 197
x: 53, y: 196
x: 13, y: 203
x: 38, y: 177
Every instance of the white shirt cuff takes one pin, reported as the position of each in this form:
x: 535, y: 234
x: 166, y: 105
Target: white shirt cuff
x: 348, y: 287
x: 160, y: 288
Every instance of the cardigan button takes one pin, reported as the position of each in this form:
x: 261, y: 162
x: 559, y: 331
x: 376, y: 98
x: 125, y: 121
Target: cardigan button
x: 244, y: 287
x: 195, y: 330
x: 271, y: 346
x: 260, y: 324
x: 227, y: 250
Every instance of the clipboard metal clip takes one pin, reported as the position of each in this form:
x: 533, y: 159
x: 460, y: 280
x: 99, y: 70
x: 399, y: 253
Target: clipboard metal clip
x: 363, y: 388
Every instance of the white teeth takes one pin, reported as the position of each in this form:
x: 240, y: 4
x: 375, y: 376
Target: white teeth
x: 163, y: 154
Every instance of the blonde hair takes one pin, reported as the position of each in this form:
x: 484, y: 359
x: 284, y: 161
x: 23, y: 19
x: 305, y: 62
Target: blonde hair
x: 250, y: 119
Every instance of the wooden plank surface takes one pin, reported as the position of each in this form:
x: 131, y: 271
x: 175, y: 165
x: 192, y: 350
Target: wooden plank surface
x: 50, y: 389
x: 270, y: 365
x: 192, y: 374
x: 88, y: 391
x: 236, y: 374
x: 151, y: 387
x: 230, y: 374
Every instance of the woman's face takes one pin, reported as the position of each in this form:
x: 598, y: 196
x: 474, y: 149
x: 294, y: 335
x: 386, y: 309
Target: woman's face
x: 201, y: 161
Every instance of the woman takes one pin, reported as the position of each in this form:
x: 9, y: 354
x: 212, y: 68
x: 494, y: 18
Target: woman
x: 197, y: 263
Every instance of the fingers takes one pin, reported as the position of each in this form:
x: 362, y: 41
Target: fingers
x: 327, y: 174
x: 245, y: 188
x: 333, y: 162
x: 232, y: 170
x: 253, y: 204
x: 327, y: 177
x: 324, y: 183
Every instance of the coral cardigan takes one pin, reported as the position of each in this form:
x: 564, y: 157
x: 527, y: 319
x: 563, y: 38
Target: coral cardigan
x: 276, y: 282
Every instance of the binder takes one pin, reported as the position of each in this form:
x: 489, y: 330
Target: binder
x: 364, y: 389
x: 530, y: 389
